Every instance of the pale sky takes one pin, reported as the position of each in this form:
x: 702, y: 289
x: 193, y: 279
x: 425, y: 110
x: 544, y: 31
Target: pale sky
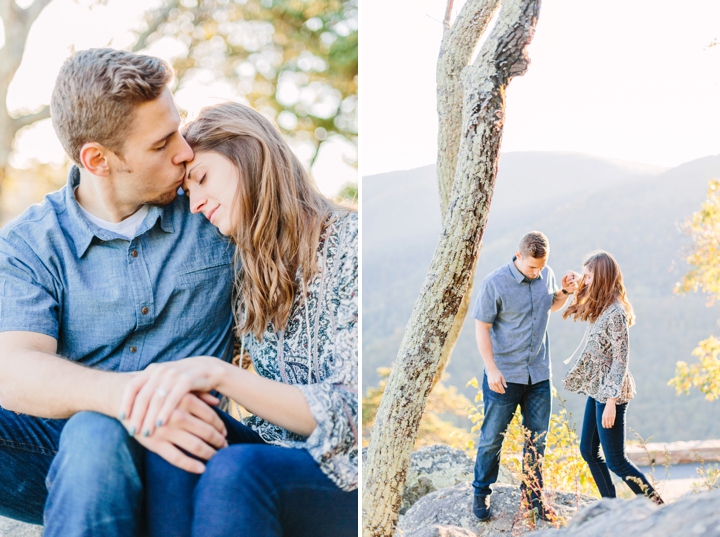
x: 634, y: 80
x: 65, y: 24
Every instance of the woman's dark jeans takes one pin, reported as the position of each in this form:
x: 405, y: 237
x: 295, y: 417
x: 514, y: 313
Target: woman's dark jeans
x: 612, y: 441
x: 249, y: 488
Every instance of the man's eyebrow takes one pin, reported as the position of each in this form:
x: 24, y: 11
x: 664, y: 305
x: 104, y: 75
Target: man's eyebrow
x: 161, y: 140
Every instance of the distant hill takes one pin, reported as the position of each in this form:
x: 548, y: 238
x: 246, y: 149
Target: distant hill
x: 581, y: 203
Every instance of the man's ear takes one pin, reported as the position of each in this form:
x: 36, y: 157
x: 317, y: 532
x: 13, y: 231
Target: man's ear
x: 518, y: 255
x: 94, y: 158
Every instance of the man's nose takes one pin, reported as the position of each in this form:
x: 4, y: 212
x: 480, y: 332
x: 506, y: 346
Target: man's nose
x: 184, y: 153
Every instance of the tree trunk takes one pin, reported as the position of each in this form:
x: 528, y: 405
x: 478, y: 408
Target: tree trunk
x: 16, y: 22
x: 456, y: 50
x: 484, y: 83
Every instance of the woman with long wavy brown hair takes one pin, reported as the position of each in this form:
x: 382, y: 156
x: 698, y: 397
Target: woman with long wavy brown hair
x: 296, y: 316
x: 602, y: 373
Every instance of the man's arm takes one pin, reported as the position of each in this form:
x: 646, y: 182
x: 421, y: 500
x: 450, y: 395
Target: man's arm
x: 559, y: 301
x: 496, y: 381
x: 35, y: 381
x: 570, y: 284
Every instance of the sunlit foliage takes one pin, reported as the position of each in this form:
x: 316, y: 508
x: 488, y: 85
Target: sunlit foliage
x: 704, y: 275
x: 294, y: 60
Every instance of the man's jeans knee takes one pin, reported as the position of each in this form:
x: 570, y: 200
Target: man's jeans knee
x: 94, y: 483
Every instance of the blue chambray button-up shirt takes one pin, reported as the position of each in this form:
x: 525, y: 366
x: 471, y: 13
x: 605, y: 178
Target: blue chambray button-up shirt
x: 112, y: 303
x: 519, y: 311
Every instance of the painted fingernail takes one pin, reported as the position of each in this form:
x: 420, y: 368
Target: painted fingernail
x: 158, y: 423
x: 131, y: 430
x: 121, y: 416
x: 146, y: 432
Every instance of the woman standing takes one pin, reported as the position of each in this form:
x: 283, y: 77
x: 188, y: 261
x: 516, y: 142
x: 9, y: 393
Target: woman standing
x: 292, y: 468
x: 601, y: 372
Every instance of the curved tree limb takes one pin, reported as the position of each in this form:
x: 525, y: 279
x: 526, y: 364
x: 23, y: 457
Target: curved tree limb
x: 502, y: 57
x: 458, y: 43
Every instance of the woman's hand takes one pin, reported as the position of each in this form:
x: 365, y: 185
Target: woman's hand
x: 153, y: 394
x: 608, y: 416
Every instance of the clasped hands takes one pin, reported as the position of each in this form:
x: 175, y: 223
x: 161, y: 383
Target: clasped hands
x: 168, y: 409
x: 571, y: 281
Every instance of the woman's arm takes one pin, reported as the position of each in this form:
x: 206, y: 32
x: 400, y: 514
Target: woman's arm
x: 618, y: 333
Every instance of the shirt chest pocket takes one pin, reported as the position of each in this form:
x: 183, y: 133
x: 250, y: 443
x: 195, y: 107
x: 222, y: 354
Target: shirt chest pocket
x: 217, y: 271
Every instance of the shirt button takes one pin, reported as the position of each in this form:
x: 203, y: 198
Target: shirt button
x: 144, y: 311
x: 134, y: 253
x: 133, y: 350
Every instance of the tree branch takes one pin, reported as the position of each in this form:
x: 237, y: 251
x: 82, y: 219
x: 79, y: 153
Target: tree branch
x: 33, y: 11
x: 160, y: 16
x: 456, y: 49
x: 28, y: 119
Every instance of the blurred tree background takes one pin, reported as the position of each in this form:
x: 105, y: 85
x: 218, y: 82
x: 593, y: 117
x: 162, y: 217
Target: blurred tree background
x: 296, y: 61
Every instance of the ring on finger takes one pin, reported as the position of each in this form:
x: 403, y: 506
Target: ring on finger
x: 161, y: 392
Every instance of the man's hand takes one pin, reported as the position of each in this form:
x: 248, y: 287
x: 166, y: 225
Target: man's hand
x: 496, y: 381
x: 571, y: 281
x: 608, y: 416
x: 193, y: 428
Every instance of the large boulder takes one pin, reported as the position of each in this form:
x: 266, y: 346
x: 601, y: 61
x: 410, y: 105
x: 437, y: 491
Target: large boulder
x: 689, y: 516
x: 448, y: 513
x: 436, y: 467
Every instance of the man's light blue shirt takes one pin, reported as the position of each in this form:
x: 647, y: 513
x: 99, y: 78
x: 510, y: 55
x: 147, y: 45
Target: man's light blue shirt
x: 519, y: 311
x: 113, y: 303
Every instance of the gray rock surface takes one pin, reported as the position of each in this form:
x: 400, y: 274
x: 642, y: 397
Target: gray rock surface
x: 689, y: 516
x: 450, y: 510
x: 13, y: 528
x: 436, y: 467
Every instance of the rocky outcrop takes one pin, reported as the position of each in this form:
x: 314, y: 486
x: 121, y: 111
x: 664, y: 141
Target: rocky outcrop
x: 689, y: 516
x: 448, y: 513
x: 439, y: 466
x: 13, y: 528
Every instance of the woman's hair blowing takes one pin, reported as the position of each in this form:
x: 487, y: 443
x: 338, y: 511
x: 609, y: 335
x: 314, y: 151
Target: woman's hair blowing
x: 279, y: 215
x: 606, y: 287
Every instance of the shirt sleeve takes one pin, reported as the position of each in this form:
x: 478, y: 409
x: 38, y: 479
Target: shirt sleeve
x: 487, y: 303
x: 334, y: 402
x: 28, y: 295
x: 618, y: 334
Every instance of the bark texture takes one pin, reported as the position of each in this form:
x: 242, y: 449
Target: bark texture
x: 484, y: 82
x: 458, y: 44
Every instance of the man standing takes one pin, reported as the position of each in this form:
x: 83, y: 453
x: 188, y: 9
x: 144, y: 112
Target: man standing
x: 511, y: 313
x: 104, y: 277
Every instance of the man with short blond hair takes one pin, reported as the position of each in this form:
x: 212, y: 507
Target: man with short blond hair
x: 511, y: 314
x: 102, y: 278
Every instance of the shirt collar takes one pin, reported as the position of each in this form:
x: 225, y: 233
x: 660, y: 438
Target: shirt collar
x: 519, y: 276
x: 82, y: 230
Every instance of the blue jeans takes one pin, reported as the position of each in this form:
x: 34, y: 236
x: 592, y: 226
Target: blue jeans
x: 535, y: 402
x: 63, y: 467
x: 612, y: 441
x: 248, y: 488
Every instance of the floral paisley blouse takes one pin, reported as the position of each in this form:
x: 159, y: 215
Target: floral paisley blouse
x: 602, y: 371
x: 318, y: 353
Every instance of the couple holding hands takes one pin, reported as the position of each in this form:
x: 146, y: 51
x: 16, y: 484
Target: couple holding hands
x: 123, y: 295
x: 511, y: 317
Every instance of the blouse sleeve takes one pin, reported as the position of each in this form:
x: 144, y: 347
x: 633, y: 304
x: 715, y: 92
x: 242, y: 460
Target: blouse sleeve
x: 334, y: 401
x: 617, y: 331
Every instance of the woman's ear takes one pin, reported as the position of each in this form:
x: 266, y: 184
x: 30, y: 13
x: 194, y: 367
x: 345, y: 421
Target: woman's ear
x: 93, y: 157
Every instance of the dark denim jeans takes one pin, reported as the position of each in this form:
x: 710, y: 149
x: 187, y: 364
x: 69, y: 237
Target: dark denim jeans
x: 535, y: 402
x: 612, y: 441
x: 63, y: 467
x: 248, y: 488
